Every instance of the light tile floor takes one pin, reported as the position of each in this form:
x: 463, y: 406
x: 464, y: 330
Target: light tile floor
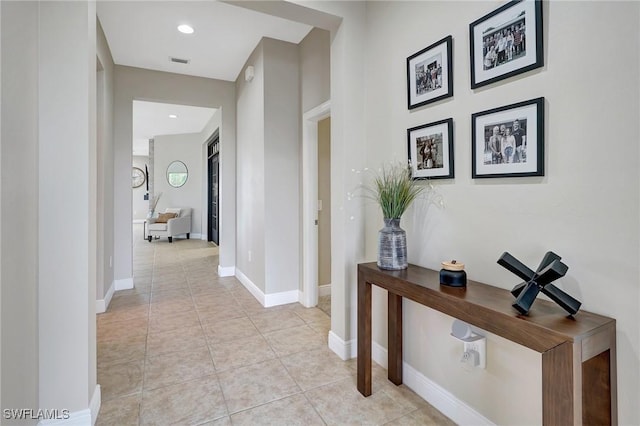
x: 185, y: 347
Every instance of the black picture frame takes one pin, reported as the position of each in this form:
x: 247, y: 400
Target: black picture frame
x: 431, y: 150
x: 422, y: 89
x: 506, y: 42
x: 519, y: 126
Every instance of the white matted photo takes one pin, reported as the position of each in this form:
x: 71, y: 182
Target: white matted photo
x: 509, y: 141
x: 431, y: 150
x: 506, y: 42
x: 430, y: 74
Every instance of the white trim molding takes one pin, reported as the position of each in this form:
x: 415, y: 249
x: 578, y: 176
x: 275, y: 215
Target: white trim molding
x: 344, y: 349
x: 94, y: 405
x: 124, y: 284
x: 442, y: 399
x: 226, y: 271
x: 103, y: 304
x: 249, y: 285
x: 324, y: 290
x: 431, y: 392
x: 310, y: 201
x: 86, y: 417
x: 282, y: 298
x: 267, y: 300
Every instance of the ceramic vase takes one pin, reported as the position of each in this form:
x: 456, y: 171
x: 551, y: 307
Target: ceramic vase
x: 392, y: 246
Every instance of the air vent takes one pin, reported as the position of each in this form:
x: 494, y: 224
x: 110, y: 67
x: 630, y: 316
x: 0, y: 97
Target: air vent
x: 179, y: 60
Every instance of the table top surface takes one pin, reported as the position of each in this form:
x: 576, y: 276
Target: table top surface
x: 488, y: 307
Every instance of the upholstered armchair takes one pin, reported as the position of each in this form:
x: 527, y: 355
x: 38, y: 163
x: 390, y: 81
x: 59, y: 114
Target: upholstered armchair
x: 165, y: 225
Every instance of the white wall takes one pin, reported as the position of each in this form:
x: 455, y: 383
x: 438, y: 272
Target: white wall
x: 1, y: 259
x: 315, y: 69
x: 140, y: 206
x: 315, y: 89
x: 19, y: 201
x: 188, y: 149
x: 104, y: 166
x: 251, y: 186
x: 347, y: 149
x: 268, y: 173
x: 586, y: 208
x: 281, y: 166
x: 48, y: 330
x: 346, y: 23
x: 66, y: 322
x: 135, y: 83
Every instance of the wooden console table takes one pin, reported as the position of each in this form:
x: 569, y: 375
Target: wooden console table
x: 578, y: 353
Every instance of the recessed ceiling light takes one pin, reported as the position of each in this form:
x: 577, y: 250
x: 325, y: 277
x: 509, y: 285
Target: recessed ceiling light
x: 185, y: 29
x: 173, y: 116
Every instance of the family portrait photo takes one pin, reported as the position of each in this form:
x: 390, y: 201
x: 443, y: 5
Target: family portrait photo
x: 506, y: 42
x: 508, y: 141
x: 430, y: 74
x: 431, y: 150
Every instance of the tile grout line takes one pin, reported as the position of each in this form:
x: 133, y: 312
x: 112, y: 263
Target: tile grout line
x: 187, y: 258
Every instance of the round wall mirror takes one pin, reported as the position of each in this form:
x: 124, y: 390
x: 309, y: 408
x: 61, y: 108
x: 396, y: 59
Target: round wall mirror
x: 177, y: 174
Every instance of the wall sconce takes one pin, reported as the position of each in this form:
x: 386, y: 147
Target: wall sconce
x: 248, y: 73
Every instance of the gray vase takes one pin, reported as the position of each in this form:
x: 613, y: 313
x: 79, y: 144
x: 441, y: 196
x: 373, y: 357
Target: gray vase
x: 392, y: 246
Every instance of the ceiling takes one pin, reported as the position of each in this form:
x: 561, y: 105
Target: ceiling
x: 152, y: 119
x: 144, y: 34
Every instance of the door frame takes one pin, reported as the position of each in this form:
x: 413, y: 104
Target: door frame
x: 210, y: 141
x: 310, y: 119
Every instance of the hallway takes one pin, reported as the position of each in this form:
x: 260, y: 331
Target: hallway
x: 188, y: 347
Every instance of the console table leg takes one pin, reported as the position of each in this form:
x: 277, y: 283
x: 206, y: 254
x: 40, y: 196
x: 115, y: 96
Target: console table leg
x: 395, y: 338
x: 364, y: 337
x: 558, y: 397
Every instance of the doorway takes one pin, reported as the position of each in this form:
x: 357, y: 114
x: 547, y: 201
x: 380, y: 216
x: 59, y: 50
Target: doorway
x: 324, y: 215
x: 310, y: 204
x: 213, y: 167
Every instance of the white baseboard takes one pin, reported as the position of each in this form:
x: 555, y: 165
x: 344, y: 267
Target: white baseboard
x: 103, y: 304
x: 282, y: 298
x: 344, y: 349
x: 267, y: 300
x: 249, y: 285
x: 302, y: 299
x: 442, y: 399
x: 226, y: 271
x: 86, y: 417
x: 94, y: 405
x: 197, y: 236
x: 431, y: 392
x: 379, y: 354
x: 124, y: 284
x: 324, y: 290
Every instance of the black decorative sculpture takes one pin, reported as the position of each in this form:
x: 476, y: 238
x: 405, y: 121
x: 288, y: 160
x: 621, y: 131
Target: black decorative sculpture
x: 550, y: 269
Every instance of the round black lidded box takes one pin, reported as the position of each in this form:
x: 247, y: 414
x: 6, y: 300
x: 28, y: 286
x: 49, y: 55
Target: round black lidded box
x: 452, y: 274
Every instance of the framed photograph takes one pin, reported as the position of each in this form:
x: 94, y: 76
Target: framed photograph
x: 431, y: 150
x: 506, y: 42
x: 430, y: 74
x: 508, y: 141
